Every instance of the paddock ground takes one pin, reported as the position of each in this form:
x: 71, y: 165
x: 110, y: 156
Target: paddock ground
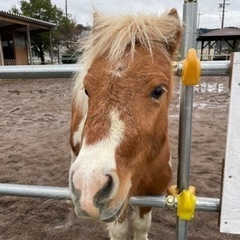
x: 34, y: 149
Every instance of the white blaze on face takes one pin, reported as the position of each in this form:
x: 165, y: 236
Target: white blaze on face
x: 78, y: 134
x: 117, y: 128
x: 95, y: 161
x: 83, y: 100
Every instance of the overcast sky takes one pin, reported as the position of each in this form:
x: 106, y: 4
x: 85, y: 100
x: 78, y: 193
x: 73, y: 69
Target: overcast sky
x: 209, y: 12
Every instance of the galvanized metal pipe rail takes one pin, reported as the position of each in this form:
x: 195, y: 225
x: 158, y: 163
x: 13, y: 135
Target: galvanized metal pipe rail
x: 21, y: 190
x: 38, y: 71
x: 209, y: 68
x: 60, y: 193
x: 202, y: 203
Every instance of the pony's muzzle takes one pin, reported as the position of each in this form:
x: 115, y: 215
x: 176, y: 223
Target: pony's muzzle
x: 93, y: 194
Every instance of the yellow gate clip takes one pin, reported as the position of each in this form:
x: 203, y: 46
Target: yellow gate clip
x: 191, y: 69
x: 186, y: 202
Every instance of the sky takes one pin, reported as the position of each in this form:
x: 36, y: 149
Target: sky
x: 209, y: 13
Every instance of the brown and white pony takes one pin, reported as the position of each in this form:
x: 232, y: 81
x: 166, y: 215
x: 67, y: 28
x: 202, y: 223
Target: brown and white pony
x: 119, y: 128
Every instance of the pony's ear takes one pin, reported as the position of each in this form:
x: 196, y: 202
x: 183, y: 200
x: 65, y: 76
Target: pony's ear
x: 96, y: 19
x: 96, y: 15
x: 173, y: 12
x: 174, y: 36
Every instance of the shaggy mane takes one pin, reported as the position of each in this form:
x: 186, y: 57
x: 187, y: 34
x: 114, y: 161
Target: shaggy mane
x: 114, y: 34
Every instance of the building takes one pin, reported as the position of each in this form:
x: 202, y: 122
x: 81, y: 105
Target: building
x: 222, y: 42
x: 15, y: 37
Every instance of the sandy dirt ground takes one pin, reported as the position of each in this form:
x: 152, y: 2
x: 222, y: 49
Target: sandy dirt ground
x: 34, y: 149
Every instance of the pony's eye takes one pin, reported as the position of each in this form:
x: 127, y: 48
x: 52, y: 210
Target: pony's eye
x: 86, y: 92
x: 157, y: 92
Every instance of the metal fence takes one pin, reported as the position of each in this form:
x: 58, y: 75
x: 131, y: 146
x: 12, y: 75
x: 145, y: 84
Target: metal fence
x: 54, y: 71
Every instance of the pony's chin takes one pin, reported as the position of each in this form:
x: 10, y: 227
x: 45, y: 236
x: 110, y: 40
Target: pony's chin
x: 104, y: 216
x: 115, y: 216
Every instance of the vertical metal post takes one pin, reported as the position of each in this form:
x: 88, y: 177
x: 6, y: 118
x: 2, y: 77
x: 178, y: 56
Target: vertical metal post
x: 1, y: 53
x: 209, y: 51
x: 66, y: 8
x: 201, y: 55
x: 51, y: 46
x: 185, y: 120
x: 29, y: 45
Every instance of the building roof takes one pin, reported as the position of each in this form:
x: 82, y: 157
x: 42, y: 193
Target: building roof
x: 228, y: 33
x: 10, y: 20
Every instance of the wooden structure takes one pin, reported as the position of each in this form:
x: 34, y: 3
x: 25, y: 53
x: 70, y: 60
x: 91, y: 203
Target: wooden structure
x: 229, y: 35
x: 230, y: 204
x: 15, y: 37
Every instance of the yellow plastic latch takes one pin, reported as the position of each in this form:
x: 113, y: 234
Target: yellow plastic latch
x: 186, y: 202
x: 191, y: 69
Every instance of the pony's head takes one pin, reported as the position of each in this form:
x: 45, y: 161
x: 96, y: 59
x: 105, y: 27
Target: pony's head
x: 119, y: 135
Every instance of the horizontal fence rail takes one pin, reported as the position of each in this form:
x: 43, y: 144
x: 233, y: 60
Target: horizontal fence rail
x: 21, y: 190
x: 38, y: 71
x: 60, y: 193
x: 202, y: 203
x: 209, y: 68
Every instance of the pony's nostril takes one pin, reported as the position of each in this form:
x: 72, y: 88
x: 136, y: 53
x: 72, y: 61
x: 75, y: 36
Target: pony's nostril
x: 104, y: 193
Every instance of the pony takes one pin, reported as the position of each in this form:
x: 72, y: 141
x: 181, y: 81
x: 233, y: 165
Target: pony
x: 119, y: 125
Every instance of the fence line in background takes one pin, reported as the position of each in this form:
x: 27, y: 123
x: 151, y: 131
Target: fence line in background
x: 209, y: 68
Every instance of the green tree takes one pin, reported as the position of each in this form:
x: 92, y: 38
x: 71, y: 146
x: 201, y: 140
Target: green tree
x: 44, y: 10
x: 68, y: 35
